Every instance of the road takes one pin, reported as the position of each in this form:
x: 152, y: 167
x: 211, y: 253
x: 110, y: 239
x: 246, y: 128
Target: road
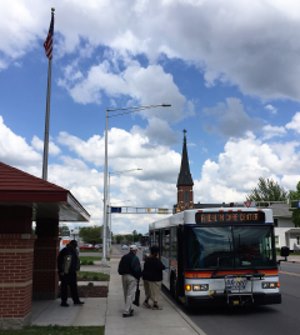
x: 283, y: 319
x: 274, y: 319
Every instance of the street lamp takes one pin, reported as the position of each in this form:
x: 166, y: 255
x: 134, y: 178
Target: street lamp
x: 113, y: 112
x: 108, y: 208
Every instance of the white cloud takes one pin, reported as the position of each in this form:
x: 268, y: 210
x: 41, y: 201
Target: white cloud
x: 223, y: 39
x: 237, y: 170
x: 147, y: 85
x: 38, y: 145
x: 14, y: 148
x: 295, y: 123
x: 273, y: 110
x: 272, y: 131
x: 229, y: 178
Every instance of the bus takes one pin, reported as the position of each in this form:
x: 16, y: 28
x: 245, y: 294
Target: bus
x: 222, y: 255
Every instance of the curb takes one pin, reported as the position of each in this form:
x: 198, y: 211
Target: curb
x: 184, y: 316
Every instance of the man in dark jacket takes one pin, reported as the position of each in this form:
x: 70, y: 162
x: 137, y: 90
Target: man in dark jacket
x: 152, y: 276
x: 68, y: 264
x: 130, y: 269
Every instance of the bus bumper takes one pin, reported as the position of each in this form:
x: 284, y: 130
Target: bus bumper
x: 236, y: 300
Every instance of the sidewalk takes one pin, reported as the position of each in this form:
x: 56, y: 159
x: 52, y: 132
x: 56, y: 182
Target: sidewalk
x: 108, y: 311
x: 168, y: 321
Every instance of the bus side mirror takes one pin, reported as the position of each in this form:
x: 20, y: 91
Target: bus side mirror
x: 284, y: 251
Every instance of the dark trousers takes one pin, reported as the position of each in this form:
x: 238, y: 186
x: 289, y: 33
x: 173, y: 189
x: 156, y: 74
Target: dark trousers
x: 69, y: 280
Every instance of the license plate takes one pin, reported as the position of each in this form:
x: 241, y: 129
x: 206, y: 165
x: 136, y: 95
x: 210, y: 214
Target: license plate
x: 236, y: 283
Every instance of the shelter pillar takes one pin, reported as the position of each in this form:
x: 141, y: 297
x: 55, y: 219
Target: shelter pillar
x: 16, y: 265
x: 45, y: 279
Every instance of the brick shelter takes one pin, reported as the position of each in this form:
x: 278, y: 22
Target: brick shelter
x: 28, y: 257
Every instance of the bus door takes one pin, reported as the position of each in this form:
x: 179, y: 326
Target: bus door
x: 180, y: 260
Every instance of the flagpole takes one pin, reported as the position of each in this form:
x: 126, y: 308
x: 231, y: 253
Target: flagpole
x: 48, y: 45
x: 47, y: 121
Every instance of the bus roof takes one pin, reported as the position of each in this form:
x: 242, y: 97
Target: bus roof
x: 188, y: 216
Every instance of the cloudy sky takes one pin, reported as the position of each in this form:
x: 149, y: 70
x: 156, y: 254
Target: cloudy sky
x: 230, y: 69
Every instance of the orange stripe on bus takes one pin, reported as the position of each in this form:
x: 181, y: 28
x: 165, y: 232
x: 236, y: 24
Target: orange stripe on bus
x: 209, y: 274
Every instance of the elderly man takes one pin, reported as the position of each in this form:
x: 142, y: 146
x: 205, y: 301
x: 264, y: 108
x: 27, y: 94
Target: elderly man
x: 130, y: 269
x: 68, y: 264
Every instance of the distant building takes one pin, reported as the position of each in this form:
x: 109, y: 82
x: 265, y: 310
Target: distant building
x: 286, y: 234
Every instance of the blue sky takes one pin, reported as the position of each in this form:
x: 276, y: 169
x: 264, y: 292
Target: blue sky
x: 230, y: 70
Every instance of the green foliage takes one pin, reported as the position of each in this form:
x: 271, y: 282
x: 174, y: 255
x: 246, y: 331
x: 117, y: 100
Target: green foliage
x: 88, y: 260
x: 55, y: 330
x: 92, y: 276
x: 64, y: 231
x: 267, y: 190
x: 91, y: 235
x: 295, y: 195
x: 128, y: 238
x: 118, y: 238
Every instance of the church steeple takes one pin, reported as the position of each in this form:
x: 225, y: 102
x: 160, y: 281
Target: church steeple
x: 185, y: 196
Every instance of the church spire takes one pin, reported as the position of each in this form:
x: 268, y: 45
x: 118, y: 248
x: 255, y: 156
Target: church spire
x: 185, y: 194
x: 184, y: 177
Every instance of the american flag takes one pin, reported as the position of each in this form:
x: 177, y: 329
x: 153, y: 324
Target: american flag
x: 48, y: 44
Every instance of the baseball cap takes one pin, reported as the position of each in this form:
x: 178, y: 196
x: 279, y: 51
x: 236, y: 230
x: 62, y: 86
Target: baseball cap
x: 133, y: 247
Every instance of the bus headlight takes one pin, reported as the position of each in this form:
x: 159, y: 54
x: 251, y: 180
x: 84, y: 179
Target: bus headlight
x: 269, y: 284
x: 201, y: 287
x: 197, y: 287
x: 188, y: 287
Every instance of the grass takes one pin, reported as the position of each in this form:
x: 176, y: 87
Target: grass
x: 92, y: 276
x: 55, y: 330
x: 88, y: 260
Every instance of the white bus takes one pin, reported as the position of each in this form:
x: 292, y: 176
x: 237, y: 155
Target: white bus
x: 219, y: 255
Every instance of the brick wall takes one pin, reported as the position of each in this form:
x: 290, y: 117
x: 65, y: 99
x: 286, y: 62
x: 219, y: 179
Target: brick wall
x: 185, y: 198
x: 45, y: 279
x: 16, y: 267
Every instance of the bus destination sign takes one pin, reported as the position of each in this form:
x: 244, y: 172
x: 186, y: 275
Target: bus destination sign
x: 229, y: 217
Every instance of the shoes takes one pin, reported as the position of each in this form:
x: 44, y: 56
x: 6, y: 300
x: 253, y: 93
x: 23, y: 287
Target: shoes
x: 64, y: 304
x: 155, y: 306
x: 78, y: 303
x: 146, y: 304
x: 125, y: 315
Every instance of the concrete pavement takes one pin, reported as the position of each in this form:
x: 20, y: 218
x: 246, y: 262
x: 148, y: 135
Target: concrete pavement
x: 170, y: 320
x: 108, y: 311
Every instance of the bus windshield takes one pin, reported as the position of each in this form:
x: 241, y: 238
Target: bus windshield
x: 229, y: 247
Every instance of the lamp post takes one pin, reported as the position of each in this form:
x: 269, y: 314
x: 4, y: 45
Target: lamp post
x: 114, y: 112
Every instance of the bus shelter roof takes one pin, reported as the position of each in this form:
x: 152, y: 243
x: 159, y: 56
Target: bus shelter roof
x: 47, y: 200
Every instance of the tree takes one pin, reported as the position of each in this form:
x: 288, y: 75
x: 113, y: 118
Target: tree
x: 295, y: 195
x: 64, y: 230
x: 268, y: 190
x: 91, y: 235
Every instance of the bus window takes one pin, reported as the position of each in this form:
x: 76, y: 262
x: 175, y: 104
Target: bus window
x: 210, y: 247
x: 173, y: 244
x: 165, y: 249
x: 253, y: 246
x: 228, y: 247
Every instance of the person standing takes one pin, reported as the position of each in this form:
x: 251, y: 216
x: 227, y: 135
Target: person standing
x: 68, y: 264
x: 130, y: 270
x: 152, y: 276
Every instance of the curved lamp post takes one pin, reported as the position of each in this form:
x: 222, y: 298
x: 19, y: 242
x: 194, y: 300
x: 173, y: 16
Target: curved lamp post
x: 113, y: 112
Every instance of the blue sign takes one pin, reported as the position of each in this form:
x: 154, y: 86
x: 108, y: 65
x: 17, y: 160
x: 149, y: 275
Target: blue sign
x: 115, y: 209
